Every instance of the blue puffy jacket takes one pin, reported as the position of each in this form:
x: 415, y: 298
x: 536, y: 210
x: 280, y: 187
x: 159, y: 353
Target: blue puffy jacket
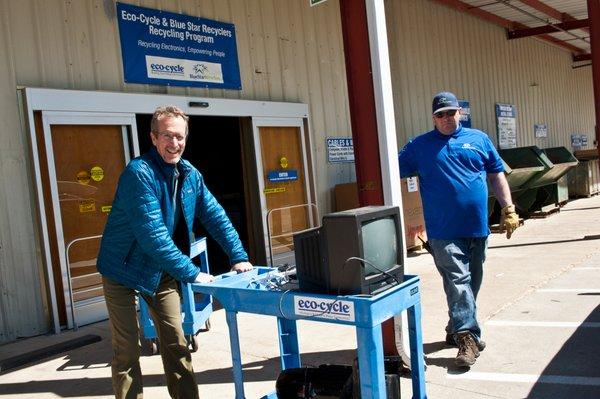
x: 137, y: 245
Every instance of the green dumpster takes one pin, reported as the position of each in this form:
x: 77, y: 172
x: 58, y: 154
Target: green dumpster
x: 563, y: 161
x: 527, y: 169
x: 533, y: 175
x: 584, y: 179
x: 558, y: 191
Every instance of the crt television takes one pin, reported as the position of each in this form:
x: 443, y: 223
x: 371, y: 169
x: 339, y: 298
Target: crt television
x: 358, y: 251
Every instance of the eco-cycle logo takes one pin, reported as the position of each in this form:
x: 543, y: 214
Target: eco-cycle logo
x: 160, y: 68
x: 164, y: 68
x: 324, y: 308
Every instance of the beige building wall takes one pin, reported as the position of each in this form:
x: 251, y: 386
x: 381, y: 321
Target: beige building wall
x: 288, y: 51
x: 434, y: 48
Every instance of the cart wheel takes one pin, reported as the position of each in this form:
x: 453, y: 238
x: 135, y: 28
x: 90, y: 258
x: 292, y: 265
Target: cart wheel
x: 150, y: 346
x: 194, y: 343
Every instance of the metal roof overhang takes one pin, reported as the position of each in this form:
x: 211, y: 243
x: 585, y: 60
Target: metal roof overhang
x: 564, y: 23
x: 573, y: 25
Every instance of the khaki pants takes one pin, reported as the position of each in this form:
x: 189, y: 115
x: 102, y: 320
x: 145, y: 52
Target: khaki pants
x: 165, y: 309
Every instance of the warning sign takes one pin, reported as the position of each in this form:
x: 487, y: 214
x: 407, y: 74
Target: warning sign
x: 274, y: 190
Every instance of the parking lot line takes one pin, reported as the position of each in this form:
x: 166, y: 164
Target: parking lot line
x: 586, y: 290
x: 558, y: 324
x: 528, y: 378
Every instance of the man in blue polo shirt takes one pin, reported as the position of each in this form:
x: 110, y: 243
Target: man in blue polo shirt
x: 453, y: 164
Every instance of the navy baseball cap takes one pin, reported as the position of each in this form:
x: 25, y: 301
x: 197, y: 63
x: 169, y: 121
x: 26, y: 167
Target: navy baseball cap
x: 444, y: 101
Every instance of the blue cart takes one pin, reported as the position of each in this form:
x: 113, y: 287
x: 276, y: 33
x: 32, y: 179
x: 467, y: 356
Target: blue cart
x: 195, y: 312
x: 250, y: 292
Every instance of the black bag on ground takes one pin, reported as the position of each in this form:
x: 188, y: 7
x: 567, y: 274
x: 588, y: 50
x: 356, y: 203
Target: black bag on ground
x: 312, y: 382
x: 334, y: 381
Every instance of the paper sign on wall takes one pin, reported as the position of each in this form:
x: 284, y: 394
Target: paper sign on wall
x: 340, y: 149
x: 506, y: 124
x: 540, y: 131
x: 412, y: 184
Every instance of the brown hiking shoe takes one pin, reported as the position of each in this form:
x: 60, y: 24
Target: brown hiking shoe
x: 451, y: 341
x: 467, y: 349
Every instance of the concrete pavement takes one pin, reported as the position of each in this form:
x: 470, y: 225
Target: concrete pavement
x: 539, y: 310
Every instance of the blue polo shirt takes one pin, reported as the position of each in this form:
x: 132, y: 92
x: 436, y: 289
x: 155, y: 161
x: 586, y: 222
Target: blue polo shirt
x: 452, y: 174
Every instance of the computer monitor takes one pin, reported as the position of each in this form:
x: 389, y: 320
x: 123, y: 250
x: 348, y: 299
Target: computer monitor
x: 358, y: 251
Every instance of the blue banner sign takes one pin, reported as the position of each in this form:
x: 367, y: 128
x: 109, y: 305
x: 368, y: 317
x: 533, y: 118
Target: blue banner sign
x: 282, y: 175
x: 165, y: 48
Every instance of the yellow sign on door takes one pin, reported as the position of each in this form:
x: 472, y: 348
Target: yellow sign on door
x: 88, y: 205
x: 274, y: 190
x: 97, y: 173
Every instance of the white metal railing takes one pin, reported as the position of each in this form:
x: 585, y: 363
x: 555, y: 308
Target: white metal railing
x: 312, y: 213
x: 69, y: 245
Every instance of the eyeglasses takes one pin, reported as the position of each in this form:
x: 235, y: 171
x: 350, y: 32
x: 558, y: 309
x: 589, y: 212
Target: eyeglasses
x: 169, y: 137
x: 443, y: 114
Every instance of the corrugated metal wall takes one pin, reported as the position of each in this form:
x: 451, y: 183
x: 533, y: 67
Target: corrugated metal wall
x: 435, y: 48
x: 287, y: 50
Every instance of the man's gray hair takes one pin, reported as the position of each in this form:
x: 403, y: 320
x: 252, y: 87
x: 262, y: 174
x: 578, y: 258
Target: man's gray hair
x: 167, y: 111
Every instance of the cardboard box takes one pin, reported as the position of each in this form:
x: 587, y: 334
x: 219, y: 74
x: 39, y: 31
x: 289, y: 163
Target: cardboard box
x: 346, y: 197
x: 412, y: 208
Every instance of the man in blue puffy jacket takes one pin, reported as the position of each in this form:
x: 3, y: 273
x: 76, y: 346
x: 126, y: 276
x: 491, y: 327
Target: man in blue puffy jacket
x: 145, y: 249
x: 453, y: 164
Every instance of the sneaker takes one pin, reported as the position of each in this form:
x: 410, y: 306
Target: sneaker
x: 451, y: 341
x: 467, y: 349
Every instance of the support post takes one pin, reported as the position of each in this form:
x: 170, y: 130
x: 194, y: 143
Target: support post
x: 594, y: 18
x: 363, y: 115
x: 372, y: 116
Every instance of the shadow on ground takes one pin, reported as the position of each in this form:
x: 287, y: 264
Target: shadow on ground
x: 575, y: 370
x: 264, y: 370
x: 444, y: 362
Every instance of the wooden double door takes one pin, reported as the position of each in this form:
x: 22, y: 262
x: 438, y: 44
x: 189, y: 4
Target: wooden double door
x: 287, y: 201
x: 80, y: 157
